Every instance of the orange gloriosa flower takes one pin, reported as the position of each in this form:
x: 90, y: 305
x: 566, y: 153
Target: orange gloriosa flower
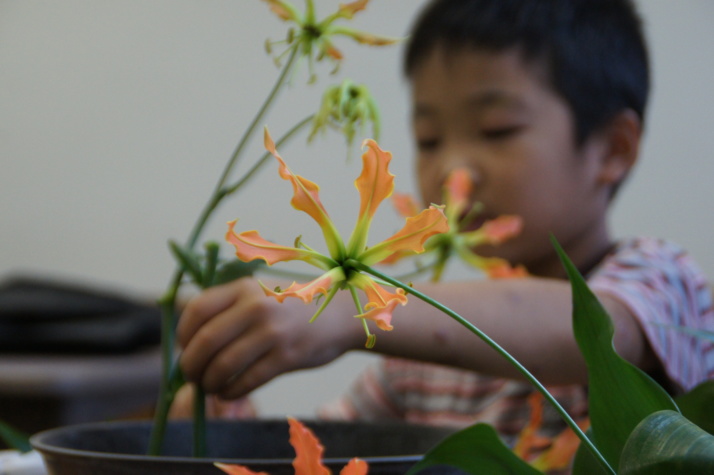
x: 308, y: 456
x: 459, y: 240
x: 545, y: 453
x: 375, y: 184
x: 316, y: 35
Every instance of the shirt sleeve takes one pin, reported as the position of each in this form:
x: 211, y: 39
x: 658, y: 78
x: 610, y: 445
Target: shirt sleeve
x: 666, y: 293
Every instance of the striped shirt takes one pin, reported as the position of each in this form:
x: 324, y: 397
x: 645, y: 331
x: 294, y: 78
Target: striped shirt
x: 655, y: 279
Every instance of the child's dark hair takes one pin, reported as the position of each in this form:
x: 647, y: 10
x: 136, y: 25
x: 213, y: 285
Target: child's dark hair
x: 594, y: 50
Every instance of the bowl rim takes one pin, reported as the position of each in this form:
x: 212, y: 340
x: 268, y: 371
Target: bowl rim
x: 42, y: 442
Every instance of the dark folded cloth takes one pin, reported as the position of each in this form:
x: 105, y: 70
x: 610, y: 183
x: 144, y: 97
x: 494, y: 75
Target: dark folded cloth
x: 41, y: 316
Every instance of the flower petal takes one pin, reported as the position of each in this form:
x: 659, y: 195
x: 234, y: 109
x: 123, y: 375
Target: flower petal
x: 347, y: 10
x: 308, y: 450
x: 305, y: 198
x: 503, y: 270
x: 494, y: 267
x: 284, y: 10
x: 355, y: 466
x: 528, y: 439
x: 457, y: 189
x: 233, y: 469
x: 380, y: 301
x: 382, y: 316
x: 502, y: 228
x: 307, y: 291
x: 250, y: 246
x: 362, y: 36
x: 562, y: 452
x: 493, y: 231
x: 411, y: 237
x: 405, y: 204
x: 374, y: 184
x: 330, y: 50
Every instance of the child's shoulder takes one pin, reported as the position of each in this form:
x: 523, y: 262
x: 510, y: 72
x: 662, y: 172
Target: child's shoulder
x: 657, y: 254
x: 649, y: 271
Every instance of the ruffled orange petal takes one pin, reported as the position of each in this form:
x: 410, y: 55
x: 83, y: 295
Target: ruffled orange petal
x: 501, y: 269
x: 457, y: 188
x: 355, y: 466
x: 562, y: 452
x: 529, y: 440
x: 502, y: 228
x: 306, y: 198
x: 375, y: 184
x: 380, y: 301
x: 250, y: 246
x: 283, y: 10
x: 405, y: 204
x: 232, y: 469
x: 307, y: 291
x: 411, y: 237
x: 363, y: 37
x: 347, y: 10
x: 308, y: 450
x: 382, y: 316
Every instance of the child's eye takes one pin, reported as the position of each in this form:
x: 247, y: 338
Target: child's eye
x: 500, y: 132
x: 426, y: 145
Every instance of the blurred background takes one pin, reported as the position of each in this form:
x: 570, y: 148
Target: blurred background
x: 116, y: 118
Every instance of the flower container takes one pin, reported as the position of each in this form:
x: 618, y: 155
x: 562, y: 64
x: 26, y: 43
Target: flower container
x: 119, y: 448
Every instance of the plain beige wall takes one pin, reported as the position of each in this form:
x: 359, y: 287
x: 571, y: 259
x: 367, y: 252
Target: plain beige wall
x: 117, y: 116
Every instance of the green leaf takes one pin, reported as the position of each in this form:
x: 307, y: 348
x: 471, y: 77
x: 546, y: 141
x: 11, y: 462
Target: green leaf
x: 236, y: 269
x: 667, y: 443
x: 698, y: 405
x: 477, y: 450
x: 14, y: 438
x: 620, y: 394
x: 188, y: 260
x: 209, y: 272
x: 586, y: 463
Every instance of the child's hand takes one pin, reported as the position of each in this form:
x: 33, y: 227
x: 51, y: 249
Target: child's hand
x: 236, y: 339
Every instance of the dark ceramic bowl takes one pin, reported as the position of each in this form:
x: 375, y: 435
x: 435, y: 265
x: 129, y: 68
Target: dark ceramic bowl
x: 118, y: 448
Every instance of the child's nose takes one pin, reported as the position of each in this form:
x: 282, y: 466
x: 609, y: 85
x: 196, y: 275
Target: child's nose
x: 469, y: 167
x: 458, y: 154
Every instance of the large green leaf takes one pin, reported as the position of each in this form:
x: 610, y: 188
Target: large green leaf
x: 698, y: 405
x: 667, y: 443
x: 586, y: 463
x: 477, y: 450
x: 620, y: 395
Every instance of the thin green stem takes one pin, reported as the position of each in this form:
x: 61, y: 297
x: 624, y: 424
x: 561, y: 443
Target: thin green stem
x: 257, y: 119
x: 263, y: 160
x: 522, y: 369
x: 199, y: 422
x: 168, y: 301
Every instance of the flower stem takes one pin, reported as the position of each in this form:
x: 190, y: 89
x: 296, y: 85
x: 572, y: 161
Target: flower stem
x: 199, y: 423
x: 522, y: 369
x: 168, y: 300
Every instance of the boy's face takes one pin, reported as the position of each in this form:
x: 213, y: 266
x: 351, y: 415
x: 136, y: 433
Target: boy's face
x: 495, y: 115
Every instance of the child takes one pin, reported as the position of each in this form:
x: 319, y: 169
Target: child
x: 543, y: 101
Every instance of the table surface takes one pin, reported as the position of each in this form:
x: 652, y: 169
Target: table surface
x: 60, y: 375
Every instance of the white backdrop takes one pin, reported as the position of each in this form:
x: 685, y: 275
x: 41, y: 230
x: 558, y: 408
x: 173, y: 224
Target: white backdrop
x: 117, y: 116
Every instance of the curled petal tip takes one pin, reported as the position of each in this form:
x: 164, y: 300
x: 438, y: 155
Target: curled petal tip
x: 503, y: 228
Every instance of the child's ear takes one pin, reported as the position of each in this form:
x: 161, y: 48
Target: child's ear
x: 622, y: 144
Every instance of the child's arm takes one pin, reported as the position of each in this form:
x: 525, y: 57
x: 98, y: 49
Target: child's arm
x: 236, y: 339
